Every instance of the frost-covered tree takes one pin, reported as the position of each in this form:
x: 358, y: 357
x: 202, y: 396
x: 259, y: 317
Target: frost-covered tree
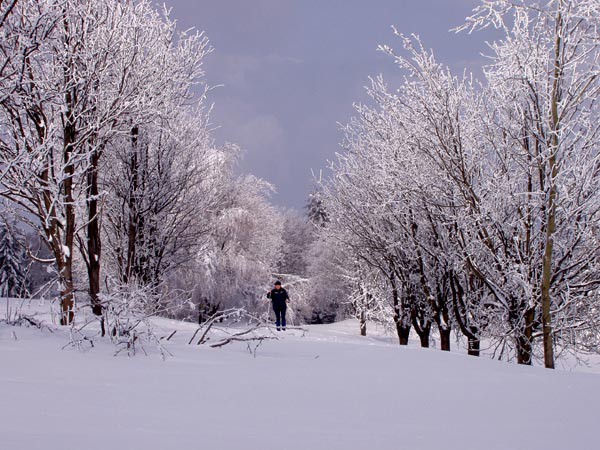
x: 236, y: 263
x: 164, y: 183
x: 330, y: 285
x: 77, y: 75
x: 478, y: 201
x: 545, y: 79
x: 355, y: 204
x: 298, y: 234
x: 315, y: 208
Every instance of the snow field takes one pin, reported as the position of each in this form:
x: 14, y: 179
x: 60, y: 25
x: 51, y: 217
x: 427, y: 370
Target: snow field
x: 330, y: 389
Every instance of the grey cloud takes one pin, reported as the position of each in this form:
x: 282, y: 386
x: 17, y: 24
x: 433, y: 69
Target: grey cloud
x: 291, y: 70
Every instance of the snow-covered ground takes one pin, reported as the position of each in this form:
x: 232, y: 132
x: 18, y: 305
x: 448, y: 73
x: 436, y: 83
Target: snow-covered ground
x: 329, y: 389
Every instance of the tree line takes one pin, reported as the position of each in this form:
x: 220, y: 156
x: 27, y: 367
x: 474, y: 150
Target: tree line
x: 461, y: 205
x: 472, y: 205
x: 106, y: 152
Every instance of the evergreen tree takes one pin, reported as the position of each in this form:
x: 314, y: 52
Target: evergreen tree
x: 13, y: 265
x: 316, y: 209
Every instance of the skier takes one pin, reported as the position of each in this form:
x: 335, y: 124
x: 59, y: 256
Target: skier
x: 280, y: 299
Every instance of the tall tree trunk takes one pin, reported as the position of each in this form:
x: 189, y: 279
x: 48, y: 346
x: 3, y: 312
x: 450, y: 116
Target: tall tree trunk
x: 442, y: 315
x: 546, y: 280
x: 552, y: 194
x: 132, y: 204
x: 94, y: 245
x: 67, y: 299
x: 65, y: 252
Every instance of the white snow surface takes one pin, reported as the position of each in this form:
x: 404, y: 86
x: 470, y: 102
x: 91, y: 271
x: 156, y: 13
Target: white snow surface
x: 330, y: 389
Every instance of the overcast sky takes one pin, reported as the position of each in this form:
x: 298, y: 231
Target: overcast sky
x: 291, y: 69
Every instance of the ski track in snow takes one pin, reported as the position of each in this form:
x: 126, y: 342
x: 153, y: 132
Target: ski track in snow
x: 330, y: 389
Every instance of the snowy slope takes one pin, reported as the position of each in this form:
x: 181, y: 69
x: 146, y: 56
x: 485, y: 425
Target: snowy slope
x: 328, y: 390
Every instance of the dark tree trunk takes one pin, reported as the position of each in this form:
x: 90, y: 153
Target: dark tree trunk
x: 524, y: 351
x: 423, y: 329
x: 402, y: 323
x: 461, y: 316
x: 132, y: 220
x: 525, y: 339
x: 442, y: 315
x: 201, y: 318
x: 67, y: 298
x: 363, y: 323
x: 424, y: 338
x: 94, y: 245
x: 206, y: 310
x: 65, y: 254
x: 473, y: 346
x: 445, y: 338
x: 403, y: 334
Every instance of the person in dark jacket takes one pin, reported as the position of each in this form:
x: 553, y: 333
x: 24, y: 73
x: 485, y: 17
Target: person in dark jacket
x: 279, y: 297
